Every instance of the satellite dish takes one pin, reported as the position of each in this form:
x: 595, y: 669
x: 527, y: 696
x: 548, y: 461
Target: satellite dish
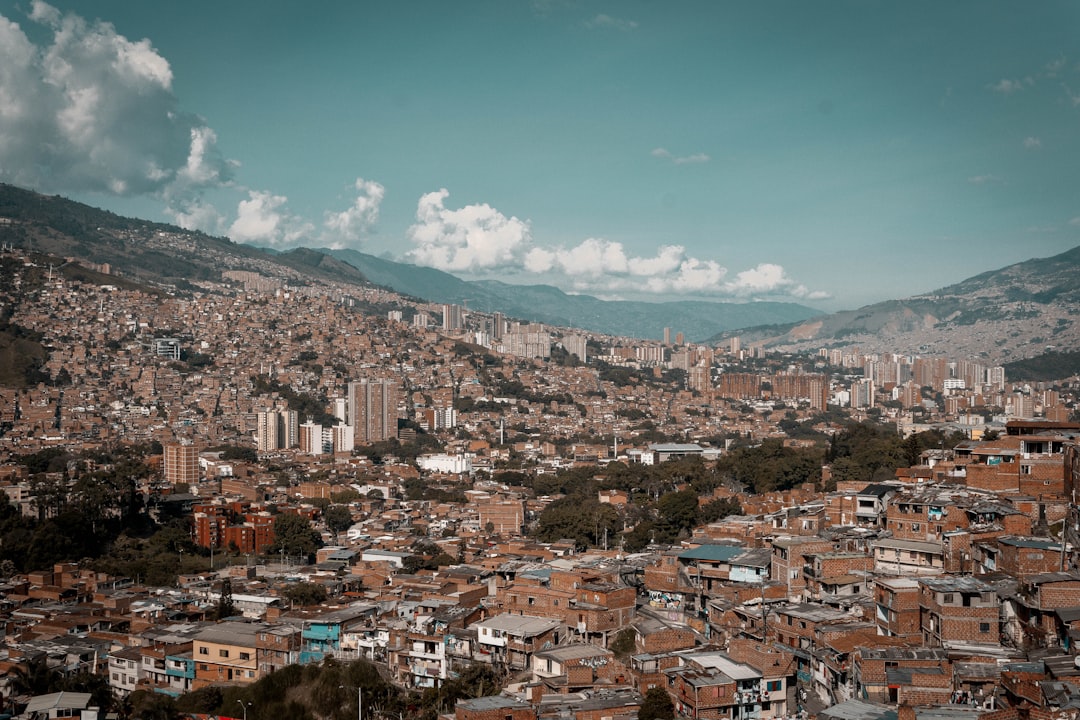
x: 1076, y: 661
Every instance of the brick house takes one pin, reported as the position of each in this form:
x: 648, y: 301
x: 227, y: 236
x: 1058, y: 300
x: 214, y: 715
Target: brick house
x: 958, y: 609
x: 512, y: 639
x: 576, y: 667
x: 1020, y: 557
x: 871, y: 667
x: 225, y: 653
x: 1031, y: 615
x: 789, y: 560
x: 825, y: 572
x: 493, y: 707
x: 896, y: 602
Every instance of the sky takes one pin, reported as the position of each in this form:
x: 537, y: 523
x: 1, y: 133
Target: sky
x: 830, y: 153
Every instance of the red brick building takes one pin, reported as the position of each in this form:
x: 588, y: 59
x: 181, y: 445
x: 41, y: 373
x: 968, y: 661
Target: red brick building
x: 960, y: 609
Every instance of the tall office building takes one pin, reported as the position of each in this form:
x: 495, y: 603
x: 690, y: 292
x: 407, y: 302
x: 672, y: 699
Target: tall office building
x: 181, y: 464
x: 577, y: 345
x: 453, y: 317
x: 266, y: 439
x: 311, y: 438
x: 373, y: 410
x: 277, y: 430
x: 862, y: 394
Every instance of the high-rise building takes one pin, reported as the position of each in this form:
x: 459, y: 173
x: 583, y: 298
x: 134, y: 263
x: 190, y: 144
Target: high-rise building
x: 344, y: 438
x: 667, y: 336
x: 576, y: 345
x: 277, y: 430
x: 267, y: 438
x: 311, y: 438
x: 862, y: 394
x: 181, y: 464
x: 453, y: 317
x: 736, y: 345
x: 373, y: 410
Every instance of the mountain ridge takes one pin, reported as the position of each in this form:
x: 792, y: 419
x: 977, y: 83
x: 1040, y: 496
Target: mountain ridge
x: 1015, y: 312
x: 179, y: 259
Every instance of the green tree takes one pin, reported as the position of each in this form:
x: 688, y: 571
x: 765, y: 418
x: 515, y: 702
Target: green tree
x: 623, y: 644
x: 305, y: 593
x: 678, y: 514
x: 657, y: 705
x: 294, y: 535
x: 225, y: 607
x: 338, y: 518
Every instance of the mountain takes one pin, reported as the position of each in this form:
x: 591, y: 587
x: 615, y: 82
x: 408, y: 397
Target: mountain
x: 176, y: 259
x: 547, y: 304
x: 144, y: 251
x: 1020, y: 311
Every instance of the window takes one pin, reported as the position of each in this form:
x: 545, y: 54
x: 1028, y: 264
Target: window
x: 947, y: 599
x: 773, y: 685
x: 245, y: 656
x: 204, y: 650
x: 915, y: 527
x: 223, y: 653
x: 984, y: 627
x: 532, y: 601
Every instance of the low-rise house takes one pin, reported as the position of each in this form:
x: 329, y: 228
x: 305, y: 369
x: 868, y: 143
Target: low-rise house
x: 513, y: 639
x: 958, y: 609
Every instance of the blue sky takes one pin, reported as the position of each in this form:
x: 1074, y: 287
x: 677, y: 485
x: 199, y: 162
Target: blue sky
x: 833, y: 153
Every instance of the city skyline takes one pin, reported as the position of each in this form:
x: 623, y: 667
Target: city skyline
x: 832, y: 155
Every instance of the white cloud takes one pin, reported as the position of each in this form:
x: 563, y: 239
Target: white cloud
x: 694, y: 159
x: 197, y: 214
x: 602, y: 21
x: 90, y: 110
x: 1075, y: 221
x: 985, y: 179
x: 1032, y: 143
x: 474, y: 237
x: 1055, y: 66
x: 1006, y: 86
x: 358, y: 219
x: 263, y: 219
x: 478, y: 239
x: 604, y: 267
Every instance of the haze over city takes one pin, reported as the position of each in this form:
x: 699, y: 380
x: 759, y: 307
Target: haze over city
x: 830, y: 154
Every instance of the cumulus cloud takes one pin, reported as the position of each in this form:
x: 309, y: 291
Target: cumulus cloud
x: 1032, y: 143
x: 263, y: 219
x: 608, y: 22
x: 1005, y: 86
x: 695, y: 159
x: 602, y: 266
x: 358, y: 219
x: 472, y: 238
x: 90, y: 110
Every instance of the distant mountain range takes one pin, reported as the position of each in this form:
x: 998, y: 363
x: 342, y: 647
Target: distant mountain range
x: 163, y: 254
x: 547, y: 304
x: 1019, y: 311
